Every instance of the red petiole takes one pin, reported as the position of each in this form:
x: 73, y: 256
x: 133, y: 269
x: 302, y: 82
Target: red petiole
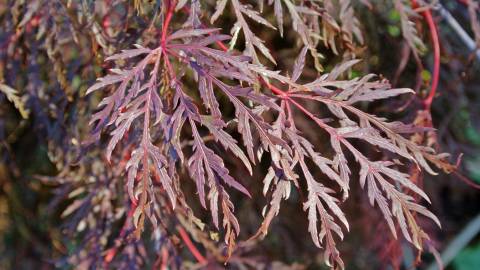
x: 427, y: 14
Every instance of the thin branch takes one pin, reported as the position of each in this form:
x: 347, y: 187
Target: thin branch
x: 186, y: 239
x: 436, y: 55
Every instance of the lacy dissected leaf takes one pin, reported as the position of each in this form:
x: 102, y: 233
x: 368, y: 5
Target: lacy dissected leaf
x: 350, y: 24
x: 321, y: 204
x: 304, y: 149
x: 403, y: 206
x: 228, y: 142
x: 299, y: 64
x: 12, y: 95
x: 205, y: 164
x: 245, y: 116
x: 281, y: 191
x: 339, y: 96
x: 184, y: 79
x: 251, y: 40
x: 133, y: 98
x: 409, y: 31
x: 192, y: 103
x: 351, y: 91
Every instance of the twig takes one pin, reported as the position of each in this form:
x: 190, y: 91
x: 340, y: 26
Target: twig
x: 436, y: 55
x: 191, y: 246
x: 113, y: 251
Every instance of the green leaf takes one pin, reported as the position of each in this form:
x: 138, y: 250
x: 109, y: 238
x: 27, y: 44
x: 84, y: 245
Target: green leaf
x: 394, y: 31
x: 426, y: 76
x: 394, y: 16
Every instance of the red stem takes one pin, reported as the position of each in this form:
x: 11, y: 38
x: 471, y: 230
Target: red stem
x: 164, y: 264
x: 166, y: 23
x: 436, y: 55
x: 466, y: 180
x: 191, y: 246
x: 113, y: 251
x: 221, y: 45
x: 277, y: 91
x: 465, y: 2
x: 168, y: 18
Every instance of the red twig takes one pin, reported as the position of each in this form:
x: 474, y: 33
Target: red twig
x: 183, y: 234
x: 221, y: 45
x: 166, y: 23
x: 277, y: 91
x: 164, y: 264
x: 113, y: 251
x: 466, y: 180
x: 436, y: 55
x: 191, y: 246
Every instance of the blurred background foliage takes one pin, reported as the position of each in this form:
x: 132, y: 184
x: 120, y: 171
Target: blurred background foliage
x: 52, y: 51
